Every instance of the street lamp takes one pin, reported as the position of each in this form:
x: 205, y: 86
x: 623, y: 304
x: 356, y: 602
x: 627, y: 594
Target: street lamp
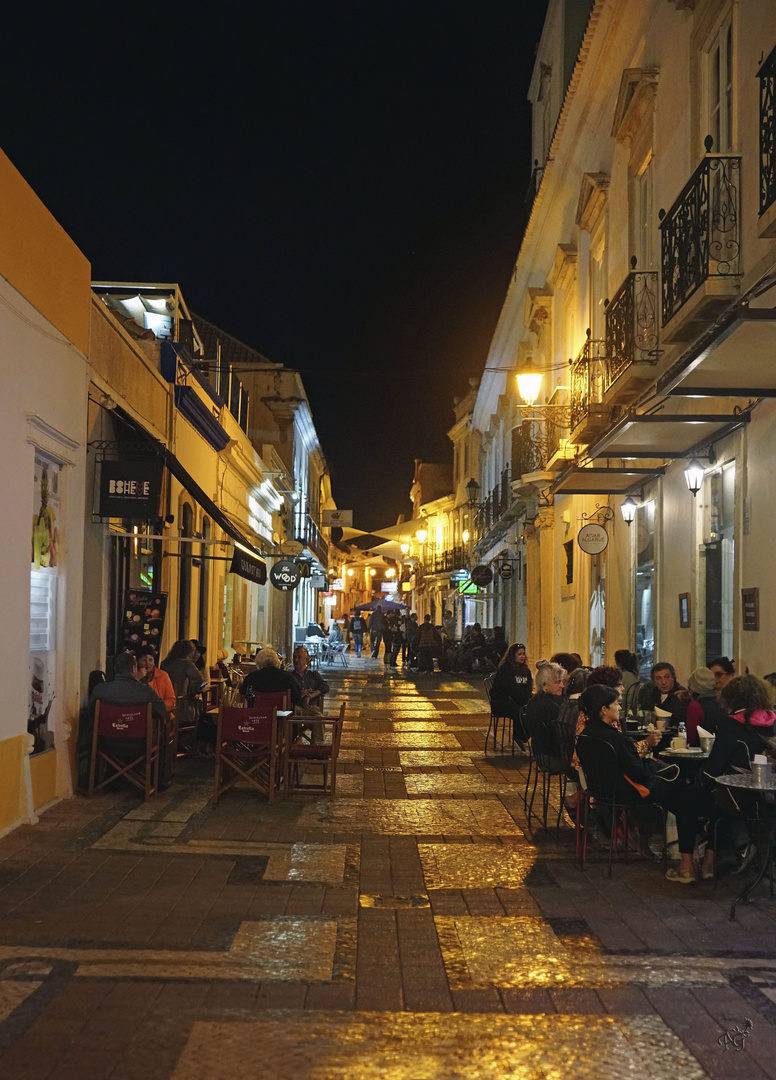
x: 693, y: 474
x: 390, y: 572
x: 405, y: 549
x: 629, y: 508
x: 465, y: 536
x: 422, y: 533
x: 472, y: 492
x: 350, y: 573
x: 529, y: 382
x: 372, y: 571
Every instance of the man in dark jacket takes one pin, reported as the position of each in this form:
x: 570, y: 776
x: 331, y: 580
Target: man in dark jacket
x: 269, y: 678
x: 429, y: 643
x: 664, y: 692
x: 125, y: 689
x: 376, y: 625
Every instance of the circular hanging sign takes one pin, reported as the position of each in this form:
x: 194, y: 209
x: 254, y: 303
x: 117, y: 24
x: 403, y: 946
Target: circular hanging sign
x: 284, y: 575
x: 482, y: 576
x: 505, y: 569
x: 593, y: 538
x: 292, y: 547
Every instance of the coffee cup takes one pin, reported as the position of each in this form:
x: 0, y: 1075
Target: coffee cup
x: 660, y: 724
x: 679, y: 743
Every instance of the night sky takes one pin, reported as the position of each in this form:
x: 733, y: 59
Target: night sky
x: 341, y: 185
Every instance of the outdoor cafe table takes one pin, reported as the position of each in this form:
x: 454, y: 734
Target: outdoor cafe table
x: 766, y: 793
x: 688, y: 761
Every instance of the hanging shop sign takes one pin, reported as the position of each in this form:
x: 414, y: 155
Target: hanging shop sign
x: 505, y: 569
x: 292, y: 547
x: 130, y: 489
x: 482, y: 576
x: 338, y: 585
x: 248, y: 566
x: 285, y: 575
x: 593, y: 539
x: 333, y: 519
x: 458, y: 576
x: 389, y: 586
x: 318, y: 581
x: 142, y: 622
x: 467, y: 588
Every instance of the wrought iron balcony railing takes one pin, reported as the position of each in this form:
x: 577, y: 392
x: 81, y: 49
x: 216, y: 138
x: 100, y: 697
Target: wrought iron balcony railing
x: 588, y: 379
x: 767, y: 77
x: 495, y: 506
x: 445, y: 562
x: 310, y: 535
x: 631, y: 324
x: 529, y: 450
x: 700, y: 234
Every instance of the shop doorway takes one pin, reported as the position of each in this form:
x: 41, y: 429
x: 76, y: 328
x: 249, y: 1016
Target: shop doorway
x: 718, y: 554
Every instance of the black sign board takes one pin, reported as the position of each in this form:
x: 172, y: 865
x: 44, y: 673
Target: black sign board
x: 284, y: 575
x: 750, y: 599
x: 130, y: 489
x: 482, y: 576
x: 248, y: 567
x: 142, y: 620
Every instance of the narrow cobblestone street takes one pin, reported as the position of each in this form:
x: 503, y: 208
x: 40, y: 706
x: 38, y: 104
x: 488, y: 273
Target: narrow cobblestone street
x: 413, y: 928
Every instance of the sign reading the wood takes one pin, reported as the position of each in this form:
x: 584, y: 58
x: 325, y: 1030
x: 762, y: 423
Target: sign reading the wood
x: 593, y: 539
x: 285, y: 575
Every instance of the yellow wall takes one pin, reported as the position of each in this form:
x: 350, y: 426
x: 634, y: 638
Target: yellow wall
x: 11, y: 751
x: 40, y: 260
x: 43, y: 773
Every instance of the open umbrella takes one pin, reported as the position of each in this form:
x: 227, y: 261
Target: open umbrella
x: 386, y: 605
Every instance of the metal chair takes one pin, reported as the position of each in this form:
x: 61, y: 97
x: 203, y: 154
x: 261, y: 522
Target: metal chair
x: 540, y: 734
x: 602, y: 770
x: 494, y: 718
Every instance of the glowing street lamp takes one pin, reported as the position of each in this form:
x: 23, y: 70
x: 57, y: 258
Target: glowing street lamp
x: 465, y: 536
x: 372, y: 571
x: 350, y: 573
x: 390, y: 572
x: 421, y: 534
x: 405, y: 549
x: 693, y: 474
x: 529, y: 381
x: 629, y: 508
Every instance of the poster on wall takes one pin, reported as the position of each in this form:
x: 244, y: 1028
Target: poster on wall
x: 44, y: 561
x: 142, y: 624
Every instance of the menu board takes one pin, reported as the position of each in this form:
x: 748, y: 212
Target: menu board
x: 142, y: 624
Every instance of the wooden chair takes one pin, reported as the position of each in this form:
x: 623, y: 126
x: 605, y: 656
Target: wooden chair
x: 125, y: 739
x: 248, y: 745
x: 325, y: 754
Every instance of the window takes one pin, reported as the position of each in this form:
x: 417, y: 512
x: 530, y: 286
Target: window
x: 568, y: 551
x: 642, y: 219
x: 719, y: 84
x: 597, y: 287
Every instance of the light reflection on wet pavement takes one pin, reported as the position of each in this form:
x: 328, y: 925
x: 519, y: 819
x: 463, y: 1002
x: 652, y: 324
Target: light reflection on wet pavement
x: 412, y: 928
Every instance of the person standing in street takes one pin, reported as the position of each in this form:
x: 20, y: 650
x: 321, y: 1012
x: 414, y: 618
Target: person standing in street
x: 358, y: 628
x: 376, y: 628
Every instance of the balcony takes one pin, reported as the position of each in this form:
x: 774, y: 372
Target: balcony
x: 767, y: 77
x: 589, y: 415
x: 308, y: 533
x: 494, y: 508
x: 631, y: 336
x: 700, y: 247
x: 446, y: 562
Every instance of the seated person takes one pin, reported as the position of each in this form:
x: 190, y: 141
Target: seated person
x: 635, y: 782
x: 311, y: 685
x: 547, y: 737
x: 512, y: 688
x: 158, y: 680
x: 664, y: 692
x: 269, y: 678
x: 126, y: 689
x: 704, y: 710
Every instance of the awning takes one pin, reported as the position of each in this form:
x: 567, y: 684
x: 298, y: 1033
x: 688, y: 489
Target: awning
x: 736, y: 361
x: 665, y: 435
x: 257, y: 573
x: 595, y: 481
x: 216, y: 514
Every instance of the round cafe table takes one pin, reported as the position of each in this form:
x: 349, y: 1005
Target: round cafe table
x: 689, y: 761
x: 766, y: 798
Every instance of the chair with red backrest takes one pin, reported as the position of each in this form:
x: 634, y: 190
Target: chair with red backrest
x: 125, y: 739
x: 248, y: 745
x: 325, y: 754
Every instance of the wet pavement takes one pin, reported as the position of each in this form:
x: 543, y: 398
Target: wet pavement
x: 413, y: 928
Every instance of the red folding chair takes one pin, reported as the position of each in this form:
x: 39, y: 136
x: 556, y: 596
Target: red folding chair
x: 325, y: 754
x: 247, y: 745
x: 118, y: 735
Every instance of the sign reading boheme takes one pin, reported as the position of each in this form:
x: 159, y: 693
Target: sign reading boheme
x: 130, y: 489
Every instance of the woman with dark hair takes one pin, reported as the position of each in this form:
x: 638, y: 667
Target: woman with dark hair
x: 636, y: 782
x: 628, y: 666
x: 723, y: 671
x: 568, y: 661
x: 187, y: 681
x: 512, y: 687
